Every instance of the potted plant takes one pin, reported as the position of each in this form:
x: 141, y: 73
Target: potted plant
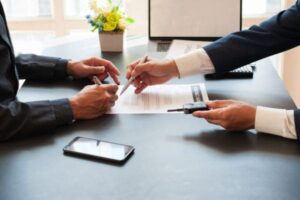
x: 111, y: 22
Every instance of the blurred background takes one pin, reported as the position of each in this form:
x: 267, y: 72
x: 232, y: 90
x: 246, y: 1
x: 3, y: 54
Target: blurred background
x: 38, y: 23
x: 54, y: 18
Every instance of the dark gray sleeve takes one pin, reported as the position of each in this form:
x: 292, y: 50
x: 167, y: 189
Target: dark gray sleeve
x: 33, y: 67
x: 19, y: 119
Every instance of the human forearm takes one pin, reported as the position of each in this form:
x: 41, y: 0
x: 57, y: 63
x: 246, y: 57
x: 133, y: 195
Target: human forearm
x: 23, y: 119
x: 35, y: 67
x: 278, y: 122
x: 196, y: 62
x: 239, y: 116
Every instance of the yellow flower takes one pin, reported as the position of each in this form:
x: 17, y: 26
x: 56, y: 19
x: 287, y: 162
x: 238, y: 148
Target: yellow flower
x: 122, y: 25
x: 109, y: 26
x: 113, y: 17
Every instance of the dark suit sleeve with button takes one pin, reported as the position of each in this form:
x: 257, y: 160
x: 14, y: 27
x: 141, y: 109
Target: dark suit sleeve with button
x: 20, y: 119
x: 280, y: 33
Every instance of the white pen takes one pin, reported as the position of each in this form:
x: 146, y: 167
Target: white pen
x: 143, y: 60
x: 96, y: 80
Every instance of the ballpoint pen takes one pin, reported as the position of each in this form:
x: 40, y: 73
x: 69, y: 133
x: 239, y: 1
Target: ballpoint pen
x: 143, y: 60
x: 96, y: 80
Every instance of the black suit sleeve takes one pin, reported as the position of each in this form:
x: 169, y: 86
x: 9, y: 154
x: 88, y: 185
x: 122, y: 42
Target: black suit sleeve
x: 35, y: 67
x: 275, y: 35
x: 20, y: 119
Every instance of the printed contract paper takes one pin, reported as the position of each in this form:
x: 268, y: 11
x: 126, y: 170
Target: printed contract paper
x: 158, y: 99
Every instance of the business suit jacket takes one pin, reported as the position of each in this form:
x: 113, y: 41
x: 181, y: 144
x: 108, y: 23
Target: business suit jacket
x: 18, y: 119
x: 280, y: 33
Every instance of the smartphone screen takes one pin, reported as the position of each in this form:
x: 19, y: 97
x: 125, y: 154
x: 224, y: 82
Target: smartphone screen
x: 99, y: 149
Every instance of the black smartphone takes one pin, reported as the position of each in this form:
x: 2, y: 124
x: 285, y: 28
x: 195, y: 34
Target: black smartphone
x: 99, y: 149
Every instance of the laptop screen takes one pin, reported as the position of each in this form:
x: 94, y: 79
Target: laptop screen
x: 199, y: 19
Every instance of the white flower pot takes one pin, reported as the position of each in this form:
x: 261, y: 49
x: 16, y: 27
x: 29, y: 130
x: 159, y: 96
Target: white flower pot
x: 111, y: 41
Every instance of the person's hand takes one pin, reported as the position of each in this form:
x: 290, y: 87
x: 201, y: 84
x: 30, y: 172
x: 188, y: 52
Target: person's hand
x: 151, y: 73
x: 93, y: 101
x: 231, y: 115
x: 93, y: 66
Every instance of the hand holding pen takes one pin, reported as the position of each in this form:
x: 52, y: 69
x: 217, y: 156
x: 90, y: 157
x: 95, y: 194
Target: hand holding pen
x: 132, y: 78
x: 96, y: 80
x: 150, y: 73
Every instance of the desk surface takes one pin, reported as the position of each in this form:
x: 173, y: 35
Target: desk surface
x: 177, y: 156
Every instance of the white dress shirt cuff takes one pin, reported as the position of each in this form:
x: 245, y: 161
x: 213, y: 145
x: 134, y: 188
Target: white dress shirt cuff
x: 278, y: 122
x: 195, y: 62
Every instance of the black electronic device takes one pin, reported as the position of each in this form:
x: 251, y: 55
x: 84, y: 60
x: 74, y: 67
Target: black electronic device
x: 189, y: 108
x: 99, y: 149
x: 245, y: 72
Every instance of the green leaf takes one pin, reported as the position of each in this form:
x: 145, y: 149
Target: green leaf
x: 95, y: 28
x: 109, y: 2
x: 115, y: 9
x: 129, y: 20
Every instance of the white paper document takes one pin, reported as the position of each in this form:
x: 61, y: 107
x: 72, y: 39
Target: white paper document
x: 158, y: 99
x: 180, y: 47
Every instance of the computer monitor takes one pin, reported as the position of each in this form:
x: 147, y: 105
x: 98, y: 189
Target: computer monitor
x: 193, y: 19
